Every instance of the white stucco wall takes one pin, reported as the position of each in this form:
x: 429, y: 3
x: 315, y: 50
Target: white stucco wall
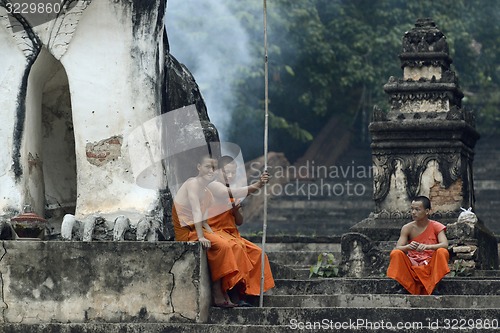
x: 110, y: 97
x: 114, y: 72
x: 11, y: 72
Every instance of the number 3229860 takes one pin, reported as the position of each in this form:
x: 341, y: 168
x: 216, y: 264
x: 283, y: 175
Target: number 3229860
x: 33, y: 7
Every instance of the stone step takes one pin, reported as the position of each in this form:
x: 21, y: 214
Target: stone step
x: 318, y: 247
x: 381, y: 300
x: 332, y: 286
x: 140, y: 328
x: 373, y: 317
x: 303, y: 258
x: 280, y: 271
x: 327, y: 194
x: 285, y: 240
x: 483, y: 273
x: 291, y: 225
x: 327, y: 324
x: 335, y: 204
x: 301, y: 273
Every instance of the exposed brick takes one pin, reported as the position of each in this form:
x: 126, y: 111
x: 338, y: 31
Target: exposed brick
x: 104, y: 151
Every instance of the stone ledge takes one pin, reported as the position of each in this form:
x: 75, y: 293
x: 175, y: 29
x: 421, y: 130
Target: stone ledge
x: 86, y: 282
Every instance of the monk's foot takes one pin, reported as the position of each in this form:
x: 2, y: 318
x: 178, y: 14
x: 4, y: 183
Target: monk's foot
x: 225, y: 305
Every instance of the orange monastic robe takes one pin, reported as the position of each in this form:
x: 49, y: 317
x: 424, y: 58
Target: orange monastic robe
x: 227, y: 260
x: 420, y: 272
x: 224, y: 225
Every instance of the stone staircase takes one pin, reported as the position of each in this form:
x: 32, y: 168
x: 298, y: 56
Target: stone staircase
x: 361, y: 305
x: 303, y: 304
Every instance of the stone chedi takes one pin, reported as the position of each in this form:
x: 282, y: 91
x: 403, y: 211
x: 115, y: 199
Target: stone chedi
x: 424, y: 145
x: 73, y: 88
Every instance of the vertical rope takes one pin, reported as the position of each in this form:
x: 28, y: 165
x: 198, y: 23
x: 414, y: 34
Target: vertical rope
x: 266, y: 144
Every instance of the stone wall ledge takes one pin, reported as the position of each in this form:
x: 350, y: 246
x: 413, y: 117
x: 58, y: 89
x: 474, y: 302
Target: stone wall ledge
x: 96, y: 282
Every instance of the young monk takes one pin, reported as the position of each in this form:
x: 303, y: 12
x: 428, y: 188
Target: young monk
x: 225, y: 224
x: 227, y: 261
x: 420, y: 258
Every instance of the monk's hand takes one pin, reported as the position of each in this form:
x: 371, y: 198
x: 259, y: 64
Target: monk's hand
x: 264, y: 178
x: 205, y: 243
x: 421, y: 247
x: 413, y: 245
x: 235, y: 208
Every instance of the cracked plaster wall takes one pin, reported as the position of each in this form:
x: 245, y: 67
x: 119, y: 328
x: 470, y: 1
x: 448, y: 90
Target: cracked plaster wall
x: 43, y: 282
x: 112, y: 53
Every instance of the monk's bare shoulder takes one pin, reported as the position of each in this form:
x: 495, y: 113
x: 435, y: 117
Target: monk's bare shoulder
x: 191, y: 183
x: 189, y: 186
x: 218, y: 189
x: 407, y: 228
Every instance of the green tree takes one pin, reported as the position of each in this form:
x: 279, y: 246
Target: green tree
x: 332, y: 58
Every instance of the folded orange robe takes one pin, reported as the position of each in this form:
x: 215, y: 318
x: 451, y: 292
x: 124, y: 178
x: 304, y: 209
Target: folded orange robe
x: 420, y: 272
x: 225, y: 226
x: 227, y: 260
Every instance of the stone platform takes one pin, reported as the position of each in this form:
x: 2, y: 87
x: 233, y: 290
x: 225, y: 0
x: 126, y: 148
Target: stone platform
x: 91, y: 282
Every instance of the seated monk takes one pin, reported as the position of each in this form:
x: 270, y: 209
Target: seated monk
x: 226, y: 216
x: 228, y: 262
x: 420, y: 258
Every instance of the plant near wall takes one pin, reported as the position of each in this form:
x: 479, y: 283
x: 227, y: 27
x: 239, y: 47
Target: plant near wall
x: 460, y: 269
x: 324, y: 267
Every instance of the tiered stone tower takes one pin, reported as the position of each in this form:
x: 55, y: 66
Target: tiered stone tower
x: 425, y: 144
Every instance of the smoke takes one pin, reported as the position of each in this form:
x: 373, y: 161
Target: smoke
x: 208, y: 38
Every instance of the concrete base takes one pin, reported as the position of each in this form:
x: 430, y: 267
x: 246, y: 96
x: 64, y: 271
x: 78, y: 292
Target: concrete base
x: 90, y: 282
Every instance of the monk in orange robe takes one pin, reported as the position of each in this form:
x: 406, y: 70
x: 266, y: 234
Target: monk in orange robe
x: 224, y: 221
x: 228, y: 262
x: 420, y: 258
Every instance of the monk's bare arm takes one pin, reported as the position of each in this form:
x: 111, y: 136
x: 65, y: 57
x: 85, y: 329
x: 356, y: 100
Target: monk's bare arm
x: 264, y: 179
x: 219, y: 190
x: 194, y: 201
x: 402, y: 243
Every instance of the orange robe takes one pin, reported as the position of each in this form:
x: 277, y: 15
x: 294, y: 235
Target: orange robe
x: 225, y: 226
x: 227, y: 260
x: 420, y: 272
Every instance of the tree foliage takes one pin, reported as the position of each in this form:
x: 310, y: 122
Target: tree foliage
x: 332, y: 57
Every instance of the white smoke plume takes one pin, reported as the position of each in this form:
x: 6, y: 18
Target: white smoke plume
x: 208, y: 38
